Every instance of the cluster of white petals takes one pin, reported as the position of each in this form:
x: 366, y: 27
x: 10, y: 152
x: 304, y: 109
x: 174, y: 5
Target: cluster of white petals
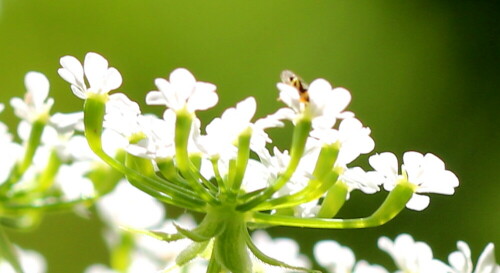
x: 118, y: 209
x: 101, y: 78
x: 325, y: 106
x: 408, y: 255
x: 461, y: 262
x: 183, y: 91
x: 427, y: 172
x: 336, y: 258
x: 411, y: 256
x: 36, y: 103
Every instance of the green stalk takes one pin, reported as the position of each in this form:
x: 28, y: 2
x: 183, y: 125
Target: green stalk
x: 334, y: 200
x: 8, y: 253
x: 314, y: 190
x: 241, y: 160
x: 182, y: 130
x: 393, y: 205
x: 299, y: 139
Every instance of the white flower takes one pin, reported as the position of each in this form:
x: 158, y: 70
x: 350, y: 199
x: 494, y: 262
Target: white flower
x: 354, y: 139
x: 334, y: 257
x: 427, y: 172
x: 357, y: 178
x: 35, y: 103
x: 411, y: 256
x: 72, y: 181
x: 183, y: 91
x: 124, y: 117
x: 67, y: 122
x: 282, y: 249
x: 325, y: 106
x: 100, y: 77
x: 125, y: 206
x: 223, y: 132
x: 461, y: 261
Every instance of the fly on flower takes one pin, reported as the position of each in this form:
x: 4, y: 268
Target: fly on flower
x: 290, y: 78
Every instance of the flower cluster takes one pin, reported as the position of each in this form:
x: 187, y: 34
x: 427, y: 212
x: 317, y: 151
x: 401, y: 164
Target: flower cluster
x: 408, y: 255
x: 229, y: 171
x: 210, y: 170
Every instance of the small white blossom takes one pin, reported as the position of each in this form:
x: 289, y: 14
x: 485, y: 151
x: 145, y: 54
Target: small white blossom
x: 427, y: 172
x: 325, y: 106
x: 183, y: 91
x: 36, y: 103
x: 334, y: 257
x: 461, y: 261
x: 67, y: 122
x: 354, y: 139
x: 357, y: 178
x: 411, y: 256
x: 72, y: 181
x: 223, y: 132
x: 125, y: 206
x: 100, y: 77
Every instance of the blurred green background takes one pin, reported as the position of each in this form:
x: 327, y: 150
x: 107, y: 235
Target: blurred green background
x: 424, y: 76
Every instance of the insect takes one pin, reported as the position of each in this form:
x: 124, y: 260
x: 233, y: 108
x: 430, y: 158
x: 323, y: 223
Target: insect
x: 290, y: 78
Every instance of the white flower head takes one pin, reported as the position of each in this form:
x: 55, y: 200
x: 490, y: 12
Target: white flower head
x: 427, y: 172
x: 36, y: 103
x: 357, y: 178
x: 325, y: 105
x: 100, y: 76
x: 461, y: 261
x: 354, y: 139
x: 411, y: 256
x: 334, y: 257
x: 125, y: 206
x: 67, y: 122
x: 223, y: 132
x: 72, y: 181
x: 183, y: 91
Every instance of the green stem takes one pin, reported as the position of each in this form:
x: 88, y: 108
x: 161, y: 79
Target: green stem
x: 8, y: 252
x: 393, y: 205
x: 334, y: 200
x: 213, y: 265
x: 314, y: 190
x: 182, y: 131
x: 300, y: 135
x: 33, y: 143
x: 241, y: 160
x: 47, y: 176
